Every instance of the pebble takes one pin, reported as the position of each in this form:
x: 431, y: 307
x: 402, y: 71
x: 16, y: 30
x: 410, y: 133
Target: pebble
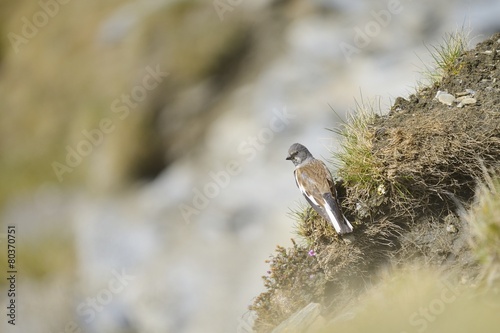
x: 362, y: 209
x: 445, y: 98
x: 465, y: 93
x: 466, y: 100
x: 451, y: 229
x: 470, y: 91
x: 381, y: 189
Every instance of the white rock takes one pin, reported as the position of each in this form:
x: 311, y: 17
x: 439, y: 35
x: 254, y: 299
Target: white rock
x: 466, y: 100
x: 445, y: 98
x: 470, y: 91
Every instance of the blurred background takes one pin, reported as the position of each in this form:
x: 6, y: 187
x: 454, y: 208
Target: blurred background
x: 143, y: 143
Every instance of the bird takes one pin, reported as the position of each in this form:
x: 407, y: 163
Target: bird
x: 315, y: 182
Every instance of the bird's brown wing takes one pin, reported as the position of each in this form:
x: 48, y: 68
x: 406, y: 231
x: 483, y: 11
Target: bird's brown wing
x: 316, y: 184
x: 312, y: 181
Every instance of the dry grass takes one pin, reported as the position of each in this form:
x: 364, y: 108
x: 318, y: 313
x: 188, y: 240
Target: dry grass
x: 484, y: 218
x: 294, y: 280
x: 435, y: 154
x: 311, y: 227
x: 417, y: 298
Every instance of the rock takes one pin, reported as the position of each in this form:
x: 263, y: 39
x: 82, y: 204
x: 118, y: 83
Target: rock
x: 317, y: 325
x: 470, y: 92
x: 445, y: 98
x: 362, y: 209
x: 466, y: 100
x: 300, y: 321
x: 381, y: 190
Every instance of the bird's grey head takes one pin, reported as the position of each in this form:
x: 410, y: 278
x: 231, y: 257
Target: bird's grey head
x: 298, y: 154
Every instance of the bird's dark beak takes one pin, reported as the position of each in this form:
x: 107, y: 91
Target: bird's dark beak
x: 289, y: 158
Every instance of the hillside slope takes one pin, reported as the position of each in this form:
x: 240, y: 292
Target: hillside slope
x: 408, y: 197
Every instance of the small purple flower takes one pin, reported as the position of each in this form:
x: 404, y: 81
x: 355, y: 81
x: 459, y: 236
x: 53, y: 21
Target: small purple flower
x: 312, y: 253
x: 268, y: 272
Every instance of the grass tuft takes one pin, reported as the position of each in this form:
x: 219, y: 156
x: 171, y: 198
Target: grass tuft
x: 361, y: 172
x: 445, y: 56
x: 484, y: 219
x: 311, y: 227
x: 355, y: 161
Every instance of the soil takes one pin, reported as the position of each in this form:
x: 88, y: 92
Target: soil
x: 422, y: 133
x: 439, y: 153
